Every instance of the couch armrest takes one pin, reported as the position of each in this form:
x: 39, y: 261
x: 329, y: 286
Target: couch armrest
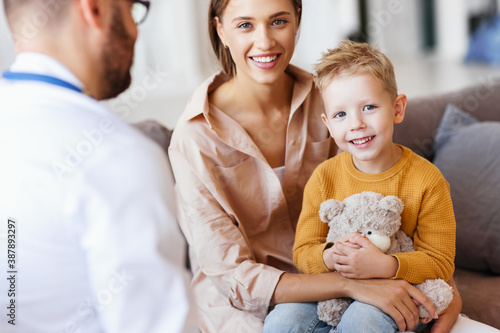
x: 156, y: 132
x: 480, y: 295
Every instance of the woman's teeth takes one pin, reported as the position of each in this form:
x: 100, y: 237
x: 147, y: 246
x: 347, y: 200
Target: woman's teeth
x: 265, y: 59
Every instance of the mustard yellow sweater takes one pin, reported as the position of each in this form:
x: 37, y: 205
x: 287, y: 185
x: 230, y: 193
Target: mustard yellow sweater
x: 427, y: 217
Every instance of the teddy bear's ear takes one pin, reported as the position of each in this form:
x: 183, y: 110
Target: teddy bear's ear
x: 392, y: 204
x: 329, y: 209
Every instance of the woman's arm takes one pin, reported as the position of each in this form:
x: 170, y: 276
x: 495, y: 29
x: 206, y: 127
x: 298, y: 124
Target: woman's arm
x: 221, y: 248
x: 448, y: 317
x: 394, y: 297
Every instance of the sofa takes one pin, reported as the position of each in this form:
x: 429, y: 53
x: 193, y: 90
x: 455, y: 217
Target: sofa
x: 423, y: 130
x: 460, y: 133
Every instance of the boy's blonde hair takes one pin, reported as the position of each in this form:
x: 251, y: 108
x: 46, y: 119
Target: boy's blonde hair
x: 351, y: 58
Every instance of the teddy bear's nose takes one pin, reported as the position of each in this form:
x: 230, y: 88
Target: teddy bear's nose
x: 369, y: 233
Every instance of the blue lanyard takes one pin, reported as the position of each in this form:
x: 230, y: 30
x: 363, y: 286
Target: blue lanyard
x: 41, y: 78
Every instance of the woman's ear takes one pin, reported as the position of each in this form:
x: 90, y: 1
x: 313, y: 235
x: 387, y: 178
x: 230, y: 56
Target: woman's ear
x: 400, y: 107
x: 220, y: 31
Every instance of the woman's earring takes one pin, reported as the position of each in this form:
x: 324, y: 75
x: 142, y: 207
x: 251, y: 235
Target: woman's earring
x: 225, y: 46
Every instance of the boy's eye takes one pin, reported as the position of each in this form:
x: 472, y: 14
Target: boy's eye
x: 368, y: 107
x: 339, y: 114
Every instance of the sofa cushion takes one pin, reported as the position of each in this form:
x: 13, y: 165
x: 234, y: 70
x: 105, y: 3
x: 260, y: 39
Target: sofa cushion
x: 468, y: 154
x: 156, y: 132
x: 480, y: 295
x: 423, y: 114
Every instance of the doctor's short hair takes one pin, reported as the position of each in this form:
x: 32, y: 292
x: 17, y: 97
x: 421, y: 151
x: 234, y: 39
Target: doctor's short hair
x: 37, y: 13
x: 10, y: 5
x: 352, y: 58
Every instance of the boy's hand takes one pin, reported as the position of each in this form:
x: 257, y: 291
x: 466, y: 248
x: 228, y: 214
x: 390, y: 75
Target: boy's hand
x: 345, y: 238
x: 329, y: 252
x: 358, y: 258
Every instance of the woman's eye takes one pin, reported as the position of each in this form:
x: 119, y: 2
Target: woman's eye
x: 244, y: 25
x: 279, y: 22
x: 339, y: 114
x: 368, y: 107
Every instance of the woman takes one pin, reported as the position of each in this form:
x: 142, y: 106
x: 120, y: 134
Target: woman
x: 241, y: 153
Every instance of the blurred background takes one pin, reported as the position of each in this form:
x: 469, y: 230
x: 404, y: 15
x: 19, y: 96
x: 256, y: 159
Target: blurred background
x: 436, y: 46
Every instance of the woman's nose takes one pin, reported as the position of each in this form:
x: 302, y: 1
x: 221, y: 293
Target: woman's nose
x: 265, y: 40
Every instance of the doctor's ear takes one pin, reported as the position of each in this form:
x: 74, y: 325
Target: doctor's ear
x: 94, y: 12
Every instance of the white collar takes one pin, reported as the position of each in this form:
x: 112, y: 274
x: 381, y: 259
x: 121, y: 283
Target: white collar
x: 39, y: 63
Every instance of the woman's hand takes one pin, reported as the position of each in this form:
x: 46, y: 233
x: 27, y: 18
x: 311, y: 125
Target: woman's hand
x: 397, y: 298
x: 448, y: 317
x: 358, y: 258
x: 394, y: 297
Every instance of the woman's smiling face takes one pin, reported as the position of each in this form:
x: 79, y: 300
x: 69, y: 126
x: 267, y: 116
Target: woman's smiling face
x: 260, y: 35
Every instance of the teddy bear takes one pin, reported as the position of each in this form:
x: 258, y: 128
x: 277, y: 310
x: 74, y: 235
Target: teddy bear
x: 379, y: 218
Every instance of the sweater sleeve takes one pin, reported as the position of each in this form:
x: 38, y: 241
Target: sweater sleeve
x: 434, y: 238
x: 310, y: 236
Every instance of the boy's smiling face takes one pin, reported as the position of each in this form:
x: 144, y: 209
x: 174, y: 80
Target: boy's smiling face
x: 360, y: 115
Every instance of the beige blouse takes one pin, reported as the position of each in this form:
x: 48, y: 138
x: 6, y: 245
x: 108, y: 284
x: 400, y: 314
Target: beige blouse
x: 237, y: 218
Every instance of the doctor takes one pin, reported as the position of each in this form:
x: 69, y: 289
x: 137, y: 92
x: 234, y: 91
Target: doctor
x: 86, y: 207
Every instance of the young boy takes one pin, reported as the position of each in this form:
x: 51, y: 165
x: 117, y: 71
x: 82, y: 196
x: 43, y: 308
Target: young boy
x: 359, y: 92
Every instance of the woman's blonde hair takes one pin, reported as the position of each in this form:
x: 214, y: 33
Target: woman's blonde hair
x: 216, y: 9
x: 351, y: 58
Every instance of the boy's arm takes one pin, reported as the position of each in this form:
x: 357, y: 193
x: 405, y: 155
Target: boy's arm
x: 311, y: 232
x: 434, y: 242
x: 434, y: 238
